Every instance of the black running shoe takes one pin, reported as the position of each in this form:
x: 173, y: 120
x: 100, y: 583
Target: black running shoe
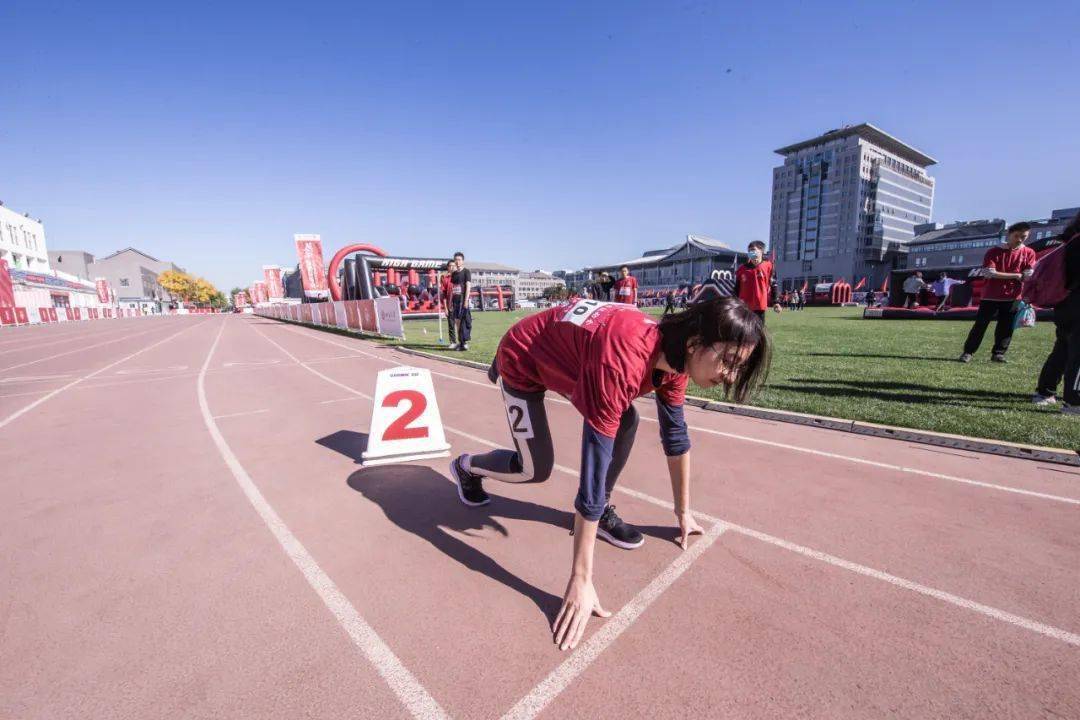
x: 998, y: 359
x: 470, y: 486
x: 618, y: 533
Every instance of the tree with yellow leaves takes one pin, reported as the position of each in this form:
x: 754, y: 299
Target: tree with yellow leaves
x: 180, y: 285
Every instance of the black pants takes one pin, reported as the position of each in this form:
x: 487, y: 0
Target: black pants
x: 463, y: 318
x: 1064, y: 359
x: 1005, y: 313
x: 451, y: 325
x: 533, y: 458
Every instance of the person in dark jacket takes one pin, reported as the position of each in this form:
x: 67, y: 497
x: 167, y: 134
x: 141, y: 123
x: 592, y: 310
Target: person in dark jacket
x: 1063, y: 363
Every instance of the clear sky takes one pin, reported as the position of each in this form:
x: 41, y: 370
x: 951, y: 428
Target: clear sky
x: 541, y: 134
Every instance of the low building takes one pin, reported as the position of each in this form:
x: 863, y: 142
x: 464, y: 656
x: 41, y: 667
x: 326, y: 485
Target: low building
x: 531, y: 285
x: 73, y: 262
x: 22, y: 241
x: 1044, y: 230
x: 690, y: 262
x: 963, y: 244
x: 132, y: 274
x: 956, y: 245
x: 488, y: 274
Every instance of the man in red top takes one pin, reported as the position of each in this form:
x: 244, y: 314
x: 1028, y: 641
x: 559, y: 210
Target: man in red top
x: 626, y: 287
x: 1005, y: 267
x: 601, y: 356
x: 754, y: 281
x: 446, y: 291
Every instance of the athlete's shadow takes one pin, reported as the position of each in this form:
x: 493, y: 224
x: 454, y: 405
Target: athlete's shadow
x: 423, y: 502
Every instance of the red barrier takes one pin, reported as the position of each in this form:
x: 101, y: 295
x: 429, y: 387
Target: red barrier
x: 369, y: 316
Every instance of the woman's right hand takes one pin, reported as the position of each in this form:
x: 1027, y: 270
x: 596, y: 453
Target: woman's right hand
x: 579, y: 602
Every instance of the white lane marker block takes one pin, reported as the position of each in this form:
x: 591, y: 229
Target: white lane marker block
x: 405, y: 421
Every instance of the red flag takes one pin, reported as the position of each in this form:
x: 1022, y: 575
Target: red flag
x: 885, y: 285
x: 805, y: 284
x: 861, y: 283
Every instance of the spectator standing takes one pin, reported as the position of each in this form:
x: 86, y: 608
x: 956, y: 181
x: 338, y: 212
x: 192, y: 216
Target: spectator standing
x: 446, y: 292
x: 1064, y: 359
x: 1004, y: 267
x: 462, y: 290
x: 755, y: 282
x: 626, y: 287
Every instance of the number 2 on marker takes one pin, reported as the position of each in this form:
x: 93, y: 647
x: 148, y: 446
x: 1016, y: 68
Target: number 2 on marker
x: 399, y: 429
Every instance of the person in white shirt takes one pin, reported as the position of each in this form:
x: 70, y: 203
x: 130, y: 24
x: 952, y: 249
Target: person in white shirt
x: 912, y: 287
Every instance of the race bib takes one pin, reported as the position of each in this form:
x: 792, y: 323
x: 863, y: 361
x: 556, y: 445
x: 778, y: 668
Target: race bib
x: 582, y: 310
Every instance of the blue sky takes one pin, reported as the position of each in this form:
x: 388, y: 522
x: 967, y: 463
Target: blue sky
x: 536, y: 134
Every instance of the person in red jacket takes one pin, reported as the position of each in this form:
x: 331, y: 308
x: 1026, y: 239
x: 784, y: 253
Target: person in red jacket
x: 1004, y: 267
x: 446, y: 291
x: 601, y: 357
x: 755, y: 283
x: 626, y: 287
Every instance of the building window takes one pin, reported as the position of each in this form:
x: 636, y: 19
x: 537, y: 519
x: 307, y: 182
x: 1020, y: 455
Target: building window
x: 124, y: 282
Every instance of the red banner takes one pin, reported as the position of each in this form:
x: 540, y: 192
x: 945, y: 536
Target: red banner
x: 261, y: 295
x: 7, y: 290
x: 305, y: 313
x: 329, y: 314
x: 369, y: 318
x: 102, y: 290
x: 240, y: 300
x: 21, y: 318
x: 7, y: 316
x: 352, y: 314
x: 312, y: 267
x: 274, y: 289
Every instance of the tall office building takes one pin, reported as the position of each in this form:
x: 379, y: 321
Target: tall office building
x: 844, y: 205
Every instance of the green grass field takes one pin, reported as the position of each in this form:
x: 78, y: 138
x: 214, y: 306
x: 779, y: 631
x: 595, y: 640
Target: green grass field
x: 829, y: 361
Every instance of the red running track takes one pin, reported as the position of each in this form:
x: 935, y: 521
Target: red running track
x: 186, y: 532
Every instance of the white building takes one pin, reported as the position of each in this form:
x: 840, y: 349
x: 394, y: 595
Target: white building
x: 531, y: 285
x: 22, y: 241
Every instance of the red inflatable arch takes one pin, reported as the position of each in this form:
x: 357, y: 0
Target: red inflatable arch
x: 331, y: 274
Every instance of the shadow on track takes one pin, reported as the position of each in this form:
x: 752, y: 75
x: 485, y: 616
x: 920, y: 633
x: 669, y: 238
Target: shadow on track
x: 349, y: 443
x: 421, y: 501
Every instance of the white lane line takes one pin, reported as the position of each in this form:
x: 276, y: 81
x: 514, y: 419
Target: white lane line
x: 151, y: 371
x: 54, y: 393
x: 239, y: 414
x: 69, y: 338
x: 248, y: 363
x: 991, y: 612
x: 76, y: 350
x: 337, y: 400
x: 33, y: 378
x: 404, y: 684
x: 785, y: 446
x: 884, y: 465
x: 549, y: 688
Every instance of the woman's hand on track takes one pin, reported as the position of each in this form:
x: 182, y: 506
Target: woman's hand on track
x: 579, y: 602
